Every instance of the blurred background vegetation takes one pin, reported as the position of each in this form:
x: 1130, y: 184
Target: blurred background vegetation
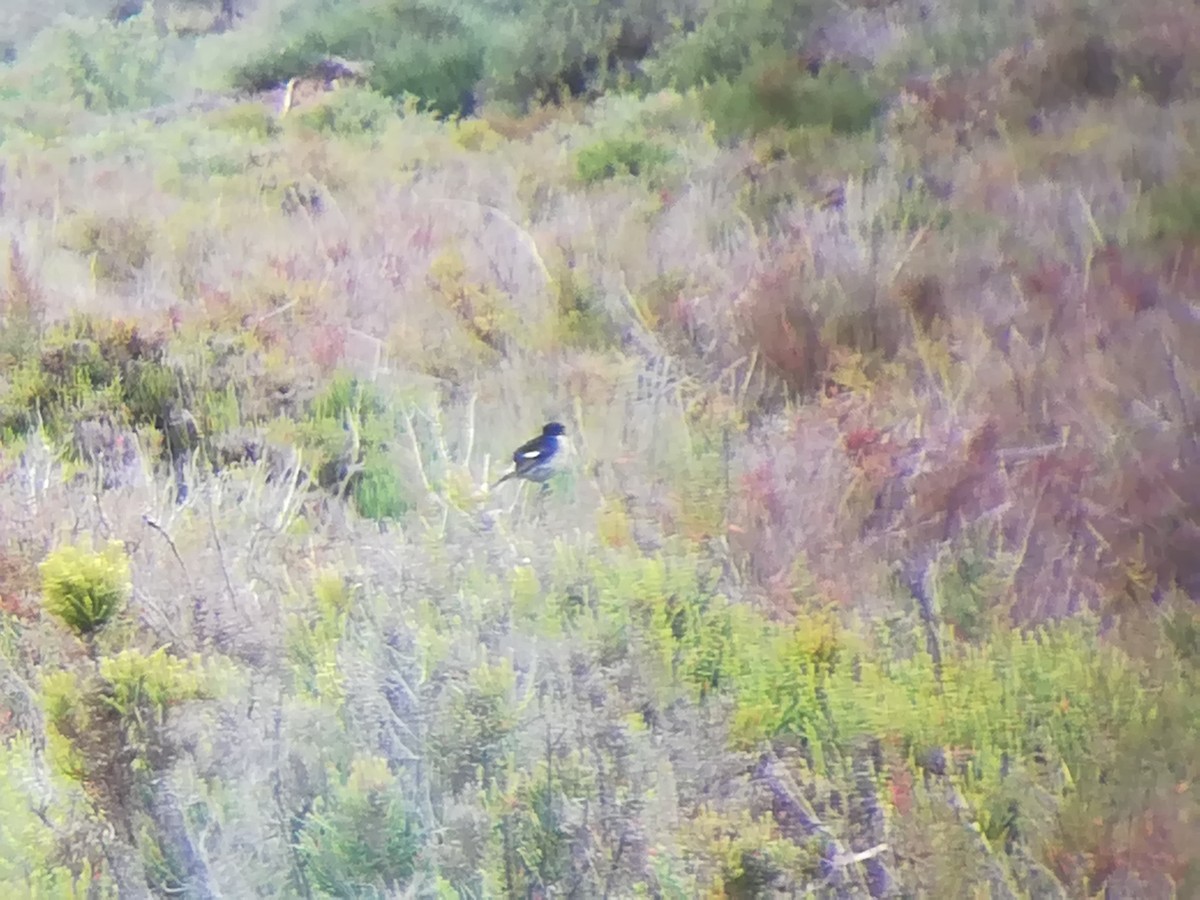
x: 875, y: 567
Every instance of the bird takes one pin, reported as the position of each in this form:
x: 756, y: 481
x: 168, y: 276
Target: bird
x: 537, y: 459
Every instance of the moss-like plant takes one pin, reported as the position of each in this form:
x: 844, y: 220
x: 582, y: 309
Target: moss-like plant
x: 83, y: 588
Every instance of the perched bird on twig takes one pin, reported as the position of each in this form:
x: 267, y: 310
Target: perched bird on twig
x: 537, y: 460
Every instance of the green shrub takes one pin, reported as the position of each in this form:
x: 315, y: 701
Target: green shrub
x: 141, y: 688
x: 971, y: 587
x: 778, y: 92
x: 351, y: 427
x: 535, y: 837
x: 314, y: 635
x: 470, y: 740
x: 619, y: 156
x: 107, y: 730
x: 251, y: 119
x: 728, y: 39
x: 30, y: 862
x: 83, y: 588
x: 350, y: 111
x: 414, y: 47
x: 119, y: 246
x: 379, y: 494
x: 361, y: 841
x: 22, y: 309
x: 442, y: 74
x: 101, y: 65
x: 583, y: 320
x: 531, y: 62
x: 549, y: 50
x: 90, y: 369
x: 955, y: 42
x: 1174, y: 211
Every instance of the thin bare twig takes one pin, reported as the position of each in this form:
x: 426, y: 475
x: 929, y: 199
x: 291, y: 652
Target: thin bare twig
x: 170, y: 543
x: 212, y: 521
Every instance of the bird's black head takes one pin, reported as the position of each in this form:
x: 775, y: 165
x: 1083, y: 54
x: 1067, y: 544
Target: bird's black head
x: 554, y: 429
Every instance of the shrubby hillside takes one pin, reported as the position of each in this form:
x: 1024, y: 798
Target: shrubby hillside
x: 875, y: 564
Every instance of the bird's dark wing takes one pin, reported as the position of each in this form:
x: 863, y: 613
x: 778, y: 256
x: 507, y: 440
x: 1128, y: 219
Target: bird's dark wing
x: 531, y: 459
x: 529, y: 453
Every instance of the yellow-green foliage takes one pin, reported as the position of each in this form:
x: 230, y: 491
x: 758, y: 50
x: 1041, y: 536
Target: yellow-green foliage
x: 22, y: 307
x: 116, y: 713
x: 89, y: 369
x: 475, y: 135
x: 664, y: 611
x: 1055, y: 693
x: 528, y: 595
x: 350, y: 426
x: 85, y: 588
x: 582, y: 319
x: 64, y: 712
x: 533, y: 840
x: 250, y: 119
x: 484, y: 312
x: 117, y: 246
x: 780, y: 674
x: 143, y: 687
x: 470, y: 743
x: 98, y: 64
x: 350, y: 111
x: 774, y: 92
x: 702, y: 468
x: 30, y: 865
x: 732, y: 855
x: 613, y: 157
x: 361, y: 836
x: 314, y: 637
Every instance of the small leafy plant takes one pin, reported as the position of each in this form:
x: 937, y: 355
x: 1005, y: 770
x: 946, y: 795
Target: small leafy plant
x: 83, y: 588
x: 362, y: 835
x: 619, y: 156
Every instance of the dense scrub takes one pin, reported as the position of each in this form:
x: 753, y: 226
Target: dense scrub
x: 874, y: 567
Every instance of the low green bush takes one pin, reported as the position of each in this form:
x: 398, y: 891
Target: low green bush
x: 31, y: 860
x: 119, y: 246
x: 100, y: 65
x: 620, y: 156
x: 728, y: 40
x: 361, y: 840
x: 414, y: 47
x: 85, y: 589
x: 90, y: 369
x: 350, y: 111
x: 351, y: 427
x: 1173, y: 211
x: 776, y: 91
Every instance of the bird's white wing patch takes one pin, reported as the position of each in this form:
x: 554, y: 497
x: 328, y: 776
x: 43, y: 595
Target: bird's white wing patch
x: 531, y: 454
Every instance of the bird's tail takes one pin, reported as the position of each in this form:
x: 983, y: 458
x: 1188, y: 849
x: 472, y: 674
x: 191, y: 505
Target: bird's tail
x: 502, y: 480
